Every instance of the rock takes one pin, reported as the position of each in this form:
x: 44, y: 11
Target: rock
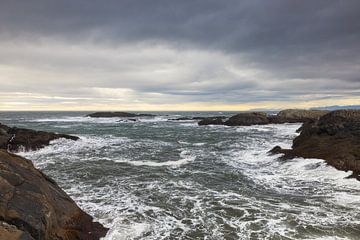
x: 33, y: 206
x: 117, y: 114
x: 297, y: 115
x: 8, y: 231
x: 211, y: 121
x: 14, y: 139
x: 335, y: 137
x: 247, y: 119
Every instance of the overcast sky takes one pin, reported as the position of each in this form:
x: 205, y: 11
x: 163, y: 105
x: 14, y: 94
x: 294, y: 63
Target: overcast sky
x: 178, y: 55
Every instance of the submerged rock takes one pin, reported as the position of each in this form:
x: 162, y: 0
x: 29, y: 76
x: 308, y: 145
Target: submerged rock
x: 117, y: 114
x: 247, y: 119
x: 335, y: 137
x: 33, y: 206
x: 13, y: 138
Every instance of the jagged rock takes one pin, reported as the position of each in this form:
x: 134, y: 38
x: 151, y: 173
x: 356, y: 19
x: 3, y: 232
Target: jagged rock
x: 117, y: 114
x: 247, y: 119
x: 211, y: 121
x: 298, y: 115
x: 33, y: 205
x: 13, y: 138
x: 335, y: 137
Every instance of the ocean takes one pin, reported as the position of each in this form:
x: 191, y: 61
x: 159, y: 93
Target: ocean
x: 156, y: 178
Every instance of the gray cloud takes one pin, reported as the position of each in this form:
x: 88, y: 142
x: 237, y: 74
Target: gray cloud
x: 205, y: 51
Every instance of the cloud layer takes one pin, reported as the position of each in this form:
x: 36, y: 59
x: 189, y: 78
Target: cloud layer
x: 168, y: 54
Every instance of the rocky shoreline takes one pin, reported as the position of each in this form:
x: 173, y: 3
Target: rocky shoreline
x: 334, y: 137
x: 262, y: 118
x: 32, y: 205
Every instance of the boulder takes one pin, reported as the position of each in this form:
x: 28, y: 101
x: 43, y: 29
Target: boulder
x: 117, y: 114
x: 247, y: 119
x: 33, y: 206
x: 211, y: 121
x: 297, y: 115
x: 335, y: 137
x: 14, y: 139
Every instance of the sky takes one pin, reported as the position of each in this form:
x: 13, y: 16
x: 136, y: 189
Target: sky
x: 178, y: 55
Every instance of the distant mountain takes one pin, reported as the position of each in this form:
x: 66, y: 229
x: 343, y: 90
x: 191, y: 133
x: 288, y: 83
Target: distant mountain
x: 336, y: 107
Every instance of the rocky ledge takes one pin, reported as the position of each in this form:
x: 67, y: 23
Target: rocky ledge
x: 117, y: 114
x: 13, y: 138
x: 261, y: 118
x: 33, y: 206
x: 335, y: 137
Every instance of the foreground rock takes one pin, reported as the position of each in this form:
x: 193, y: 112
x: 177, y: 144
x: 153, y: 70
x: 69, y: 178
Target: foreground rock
x: 14, y: 139
x: 117, y: 114
x: 335, y: 137
x: 33, y: 206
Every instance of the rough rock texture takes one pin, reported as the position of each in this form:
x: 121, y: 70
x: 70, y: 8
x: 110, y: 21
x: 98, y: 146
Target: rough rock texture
x: 298, y: 115
x: 32, y: 206
x: 13, y: 138
x: 117, y: 114
x: 335, y: 137
x: 247, y: 119
x: 211, y: 121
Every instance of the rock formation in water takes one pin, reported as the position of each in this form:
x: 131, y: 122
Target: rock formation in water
x: 247, y: 119
x: 33, y: 206
x: 261, y: 118
x: 211, y: 121
x: 335, y: 137
x: 13, y: 138
x: 117, y: 114
x: 296, y: 115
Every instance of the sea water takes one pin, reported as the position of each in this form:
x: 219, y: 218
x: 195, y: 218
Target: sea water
x: 157, y: 178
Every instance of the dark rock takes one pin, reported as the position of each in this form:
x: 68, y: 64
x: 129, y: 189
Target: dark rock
x: 181, y: 119
x: 211, y: 121
x: 335, y: 137
x: 247, y: 119
x: 32, y: 206
x: 117, y: 114
x: 297, y: 115
x: 15, y: 138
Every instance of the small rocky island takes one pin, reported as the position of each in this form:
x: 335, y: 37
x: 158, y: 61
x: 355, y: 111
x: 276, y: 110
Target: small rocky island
x: 118, y: 114
x: 261, y: 118
x: 32, y: 205
x: 334, y: 137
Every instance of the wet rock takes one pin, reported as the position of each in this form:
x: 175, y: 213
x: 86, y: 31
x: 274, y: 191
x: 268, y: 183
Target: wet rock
x: 298, y: 115
x: 335, y: 137
x: 32, y: 205
x: 247, y: 119
x: 117, y: 114
x: 14, y: 139
x: 211, y: 121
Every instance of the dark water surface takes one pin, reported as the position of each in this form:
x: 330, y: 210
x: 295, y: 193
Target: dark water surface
x: 162, y: 179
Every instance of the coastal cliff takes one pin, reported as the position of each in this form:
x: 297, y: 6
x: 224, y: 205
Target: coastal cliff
x: 32, y: 205
x: 335, y: 137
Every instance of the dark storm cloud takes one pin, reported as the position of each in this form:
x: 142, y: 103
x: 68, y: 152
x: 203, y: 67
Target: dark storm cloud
x: 312, y: 46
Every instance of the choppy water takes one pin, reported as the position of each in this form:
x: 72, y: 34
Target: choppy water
x: 160, y: 179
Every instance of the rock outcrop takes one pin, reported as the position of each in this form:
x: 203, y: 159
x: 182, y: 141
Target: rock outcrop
x: 247, y: 119
x: 117, y: 114
x: 335, y: 137
x: 13, y: 138
x: 261, y: 118
x: 297, y: 115
x: 33, y: 206
x: 211, y: 121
